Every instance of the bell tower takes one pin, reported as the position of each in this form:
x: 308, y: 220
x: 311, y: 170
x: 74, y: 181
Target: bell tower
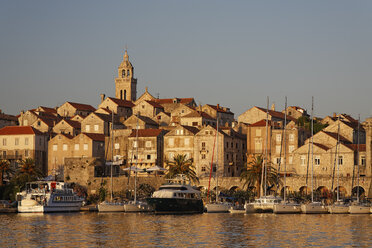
x: 125, y: 83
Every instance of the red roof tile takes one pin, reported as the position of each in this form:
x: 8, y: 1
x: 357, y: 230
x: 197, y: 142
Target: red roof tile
x: 170, y: 100
x: 198, y: 114
x: 146, y: 132
x: 8, y: 117
x: 81, y: 106
x: 220, y: 109
x: 262, y: 123
x: 354, y: 147
x: 122, y: 103
x: 277, y: 114
x: 95, y: 136
x: 321, y: 146
x: 74, y: 124
x: 155, y: 104
x: 49, y: 110
x: 19, y: 130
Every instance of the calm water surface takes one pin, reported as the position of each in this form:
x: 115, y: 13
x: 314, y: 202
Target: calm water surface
x: 205, y: 230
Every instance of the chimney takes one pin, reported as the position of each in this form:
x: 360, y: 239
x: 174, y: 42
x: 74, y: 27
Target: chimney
x: 334, y: 114
x: 218, y: 106
x: 273, y: 107
x: 102, y: 97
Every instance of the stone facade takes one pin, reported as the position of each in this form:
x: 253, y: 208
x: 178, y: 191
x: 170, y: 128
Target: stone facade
x: 97, y: 123
x: 67, y: 127
x: 121, y: 108
x: 225, y: 116
x: 70, y: 109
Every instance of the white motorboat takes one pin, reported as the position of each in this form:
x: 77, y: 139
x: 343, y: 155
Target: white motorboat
x: 48, y: 196
x: 136, y: 206
x: 266, y: 203
x: 339, y: 207
x: 237, y: 209
x: 287, y: 208
x: 249, y: 208
x: 314, y: 208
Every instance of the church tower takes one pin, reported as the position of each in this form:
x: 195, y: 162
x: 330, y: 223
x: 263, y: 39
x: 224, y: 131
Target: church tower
x: 125, y: 83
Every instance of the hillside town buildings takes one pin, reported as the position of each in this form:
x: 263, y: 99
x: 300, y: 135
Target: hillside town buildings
x: 148, y: 131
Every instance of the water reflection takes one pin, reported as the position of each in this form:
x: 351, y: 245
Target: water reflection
x: 205, y: 230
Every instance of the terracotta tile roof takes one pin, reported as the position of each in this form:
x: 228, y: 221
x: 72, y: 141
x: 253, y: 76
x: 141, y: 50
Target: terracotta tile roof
x: 147, y: 120
x: 262, y: 123
x: 334, y: 135
x: 49, y: 122
x: 95, y: 136
x: 105, y: 110
x: 8, y: 117
x: 354, y: 147
x: 277, y: 114
x: 193, y: 130
x: 81, y: 106
x: 220, y: 109
x: 198, y: 114
x: 171, y: 100
x: 48, y: 110
x: 321, y: 146
x: 155, y: 104
x: 19, y: 130
x: 74, y: 124
x: 122, y: 103
x: 146, y: 132
x: 106, y: 118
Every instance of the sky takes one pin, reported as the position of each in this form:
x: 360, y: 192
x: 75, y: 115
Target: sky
x: 232, y: 53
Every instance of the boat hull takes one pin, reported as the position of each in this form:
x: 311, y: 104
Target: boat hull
x: 176, y: 205
x: 287, y: 209
x: 314, y: 209
x: 217, y: 208
x: 358, y: 209
x: 249, y: 208
x: 47, y: 209
x: 107, y: 207
x: 336, y: 209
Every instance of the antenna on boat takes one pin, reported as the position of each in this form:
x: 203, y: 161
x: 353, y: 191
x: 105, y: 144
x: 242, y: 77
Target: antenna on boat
x: 312, y: 149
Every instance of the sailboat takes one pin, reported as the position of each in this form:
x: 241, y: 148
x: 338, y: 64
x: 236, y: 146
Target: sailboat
x: 339, y: 207
x: 110, y: 206
x: 358, y: 207
x: 217, y: 207
x: 136, y: 206
x: 313, y: 207
x: 266, y: 202
x: 286, y: 207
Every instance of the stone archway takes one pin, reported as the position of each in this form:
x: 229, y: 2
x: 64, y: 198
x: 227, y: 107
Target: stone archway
x: 234, y: 188
x: 342, y: 191
x: 304, y: 190
x: 361, y: 192
x: 323, y: 191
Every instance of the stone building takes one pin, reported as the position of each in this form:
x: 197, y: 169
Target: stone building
x: 147, y: 108
x: 44, y: 125
x: 179, y: 141
x: 67, y: 127
x: 7, y: 120
x: 146, y: 148
x: 198, y: 119
x: 122, y: 108
x: 296, y: 112
x: 170, y: 104
x: 119, y: 144
x: 143, y: 122
x: 224, y: 114
x: 70, y: 109
x: 256, y: 114
x: 125, y: 83
x: 163, y: 119
x: 230, y: 155
x: 179, y: 112
x: 84, y: 145
x: 97, y: 123
x: 21, y: 142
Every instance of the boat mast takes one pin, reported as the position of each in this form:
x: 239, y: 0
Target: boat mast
x: 263, y: 172
x: 284, y: 143
x: 358, y: 171
x: 312, y: 149
x: 338, y: 162
x: 135, y: 174
x: 112, y: 152
x: 217, y: 161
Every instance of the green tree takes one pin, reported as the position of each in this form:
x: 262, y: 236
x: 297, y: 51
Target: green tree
x: 4, y: 169
x: 252, y: 174
x: 181, y: 165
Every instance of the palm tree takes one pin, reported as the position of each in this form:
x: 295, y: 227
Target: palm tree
x: 252, y: 174
x: 181, y: 165
x: 29, y: 168
x: 4, y: 169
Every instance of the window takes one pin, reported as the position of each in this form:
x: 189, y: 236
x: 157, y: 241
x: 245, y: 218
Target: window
x: 171, y: 155
x: 227, y: 144
x: 148, y: 143
x: 85, y: 147
x: 278, y: 138
x: 181, y: 132
x: 128, y: 73
x: 87, y: 128
x: 4, y: 142
x: 148, y: 156
x: 96, y: 127
x: 203, y: 145
x: 117, y: 146
x: 194, y: 123
x: 290, y: 149
x: 227, y: 156
x: 303, y: 160
x: 171, y: 142
x: 363, y: 161
x: 258, y: 132
x: 123, y: 73
x: 26, y: 141
x: 64, y: 147
x: 16, y: 142
x: 203, y: 169
x: 317, y: 160
x: 290, y: 160
x: 291, y: 137
x: 77, y: 147
x: 278, y: 149
x: 4, y: 154
x: 340, y: 160
x: 135, y: 144
x: 55, y: 147
x: 278, y: 160
x: 187, y: 141
x: 203, y: 156
x: 258, y: 145
x: 26, y: 153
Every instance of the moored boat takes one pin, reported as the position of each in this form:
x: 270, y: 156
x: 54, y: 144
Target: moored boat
x: 266, y: 203
x: 359, y: 208
x: 110, y: 207
x: 48, y: 196
x: 339, y: 207
x: 136, y: 206
x: 287, y: 208
x: 218, y: 207
x: 314, y: 208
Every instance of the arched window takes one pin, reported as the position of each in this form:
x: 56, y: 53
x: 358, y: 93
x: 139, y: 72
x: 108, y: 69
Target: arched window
x: 121, y: 94
x: 125, y: 94
x: 123, y: 73
x: 128, y: 73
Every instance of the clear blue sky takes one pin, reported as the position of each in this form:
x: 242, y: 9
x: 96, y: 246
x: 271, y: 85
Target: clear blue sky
x: 234, y: 53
